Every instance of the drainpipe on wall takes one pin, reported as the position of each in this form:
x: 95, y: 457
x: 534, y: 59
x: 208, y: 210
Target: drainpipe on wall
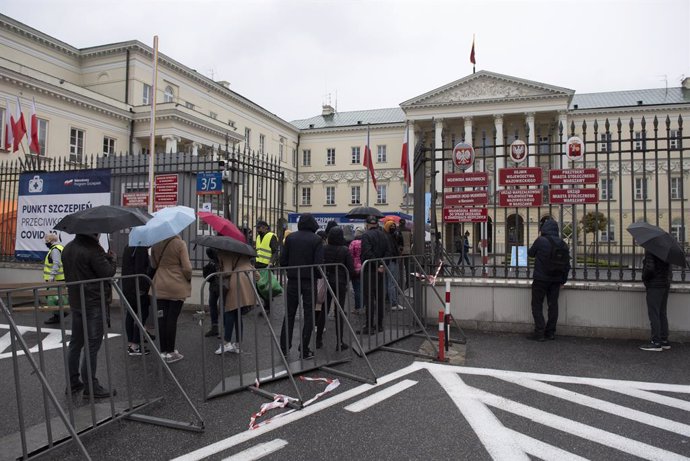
x: 131, y: 122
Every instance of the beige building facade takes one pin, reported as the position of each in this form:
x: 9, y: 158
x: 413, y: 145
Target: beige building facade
x: 98, y: 101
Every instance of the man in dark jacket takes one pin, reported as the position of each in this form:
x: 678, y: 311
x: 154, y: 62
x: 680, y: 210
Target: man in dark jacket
x: 302, y: 248
x: 656, y: 275
x: 84, y: 259
x: 375, y: 245
x: 546, y: 282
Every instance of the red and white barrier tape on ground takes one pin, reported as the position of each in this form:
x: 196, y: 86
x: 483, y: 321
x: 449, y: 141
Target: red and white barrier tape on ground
x: 281, y: 401
x: 430, y: 278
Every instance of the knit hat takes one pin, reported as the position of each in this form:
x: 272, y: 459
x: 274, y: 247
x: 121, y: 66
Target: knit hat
x: 388, y: 225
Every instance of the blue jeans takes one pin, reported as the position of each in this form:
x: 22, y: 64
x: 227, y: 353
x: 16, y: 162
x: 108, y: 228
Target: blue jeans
x: 657, y: 300
x: 93, y: 317
x: 232, y: 321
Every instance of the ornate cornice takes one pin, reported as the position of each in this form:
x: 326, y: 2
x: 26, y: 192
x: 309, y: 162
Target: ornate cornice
x: 348, y: 176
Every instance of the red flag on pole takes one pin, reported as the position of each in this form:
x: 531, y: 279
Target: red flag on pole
x: 472, y: 59
x: 18, y: 127
x: 368, y: 161
x: 34, y: 145
x: 405, y: 158
x: 9, y: 127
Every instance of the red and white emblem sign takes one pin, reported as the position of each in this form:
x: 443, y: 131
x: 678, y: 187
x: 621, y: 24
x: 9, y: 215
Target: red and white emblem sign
x: 463, y: 155
x: 575, y: 149
x: 518, y: 151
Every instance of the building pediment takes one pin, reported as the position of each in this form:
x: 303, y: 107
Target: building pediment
x: 486, y: 87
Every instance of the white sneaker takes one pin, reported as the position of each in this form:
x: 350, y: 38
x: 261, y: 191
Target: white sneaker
x: 397, y: 307
x: 237, y: 348
x: 165, y: 356
x: 227, y: 347
x: 174, y: 357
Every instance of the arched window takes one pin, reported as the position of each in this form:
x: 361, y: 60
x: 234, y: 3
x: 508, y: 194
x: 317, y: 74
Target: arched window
x: 168, y: 95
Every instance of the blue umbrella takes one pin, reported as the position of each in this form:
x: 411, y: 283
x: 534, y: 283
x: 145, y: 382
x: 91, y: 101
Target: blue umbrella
x: 165, y: 223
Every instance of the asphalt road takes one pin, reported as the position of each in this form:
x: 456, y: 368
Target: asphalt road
x: 513, y: 399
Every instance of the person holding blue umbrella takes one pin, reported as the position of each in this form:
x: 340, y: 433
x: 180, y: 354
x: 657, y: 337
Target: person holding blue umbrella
x: 170, y: 259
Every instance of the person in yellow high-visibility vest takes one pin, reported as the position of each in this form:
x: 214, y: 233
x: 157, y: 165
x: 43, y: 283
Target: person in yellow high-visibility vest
x: 52, y: 269
x: 266, y: 245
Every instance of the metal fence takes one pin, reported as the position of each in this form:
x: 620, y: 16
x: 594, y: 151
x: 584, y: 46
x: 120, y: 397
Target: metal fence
x: 253, y: 189
x: 642, y: 173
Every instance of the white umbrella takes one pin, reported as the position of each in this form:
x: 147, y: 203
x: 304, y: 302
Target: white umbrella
x: 165, y: 223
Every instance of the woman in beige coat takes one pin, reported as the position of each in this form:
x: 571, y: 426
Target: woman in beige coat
x: 173, y: 285
x: 240, y: 284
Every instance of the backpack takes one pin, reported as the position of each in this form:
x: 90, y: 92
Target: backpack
x: 559, y: 259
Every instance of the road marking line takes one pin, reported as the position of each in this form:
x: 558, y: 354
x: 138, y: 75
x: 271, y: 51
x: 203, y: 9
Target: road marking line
x: 53, y: 340
x: 242, y: 437
x: 380, y: 396
x: 258, y: 451
x: 543, y: 450
x: 491, y: 432
x: 603, y: 405
x: 576, y: 428
x: 650, y: 397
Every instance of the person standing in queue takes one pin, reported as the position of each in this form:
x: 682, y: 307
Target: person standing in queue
x: 374, y: 246
x: 266, y: 253
x: 53, y: 270
x: 302, y: 248
x: 84, y: 259
x: 173, y: 284
x: 656, y: 275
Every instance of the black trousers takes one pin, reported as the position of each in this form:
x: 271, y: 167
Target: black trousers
x: 322, y: 315
x: 297, y: 288
x: 374, y: 295
x: 550, y: 290
x: 657, y: 299
x: 93, y: 318
x: 168, y: 323
x: 133, y: 333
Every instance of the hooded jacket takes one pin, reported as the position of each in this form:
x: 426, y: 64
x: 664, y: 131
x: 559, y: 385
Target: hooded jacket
x: 335, y: 252
x: 303, y: 248
x: 655, y: 272
x: 84, y: 259
x: 541, y: 251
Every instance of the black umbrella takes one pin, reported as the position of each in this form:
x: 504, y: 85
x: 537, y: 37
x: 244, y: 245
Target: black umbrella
x: 361, y: 212
x: 220, y: 242
x: 102, y: 219
x: 658, y: 242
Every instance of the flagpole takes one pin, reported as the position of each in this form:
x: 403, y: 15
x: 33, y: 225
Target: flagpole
x: 152, y: 141
x: 475, y: 59
x: 367, y: 150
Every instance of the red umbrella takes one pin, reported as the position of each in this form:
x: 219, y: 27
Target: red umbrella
x: 391, y: 217
x: 222, y: 226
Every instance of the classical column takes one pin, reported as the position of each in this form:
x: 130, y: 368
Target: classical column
x: 171, y: 143
x: 195, y: 148
x: 468, y: 137
x: 500, y: 161
x: 531, y: 148
x: 438, y: 164
x: 563, y: 120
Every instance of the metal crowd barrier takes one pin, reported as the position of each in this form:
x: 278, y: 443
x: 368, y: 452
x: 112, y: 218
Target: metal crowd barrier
x: 42, y: 385
x: 260, y: 358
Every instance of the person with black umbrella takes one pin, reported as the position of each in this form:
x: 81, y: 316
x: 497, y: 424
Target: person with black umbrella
x: 656, y: 275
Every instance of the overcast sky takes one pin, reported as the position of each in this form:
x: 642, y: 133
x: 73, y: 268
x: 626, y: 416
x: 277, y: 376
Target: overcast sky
x: 289, y: 55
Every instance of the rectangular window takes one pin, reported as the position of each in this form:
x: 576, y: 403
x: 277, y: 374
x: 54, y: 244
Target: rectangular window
x: 608, y: 235
x: 42, y: 135
x: 262, y: 143
x: 381, y: 195
x: 108, y: 146
x: 146, y: 95
x: 306, y: 157
x: 674, y: 140
x: 281, y: 149
x: 356, y: 160
x: 544, y: 145
x: 640, y: 188
x: 330, y: 156
x: 247, y: 138
x: 294, y: 157
x: 677, y: 231
x: 189, y: 105
x: 76, y: 145
x: 605, y: 142
x: 381, y: 154
x: 330, y: 195
x: 676, y: 188
x: 606, y: 189
x: 640, y: 143
x: 306, y: 196
x: 355, y: 195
